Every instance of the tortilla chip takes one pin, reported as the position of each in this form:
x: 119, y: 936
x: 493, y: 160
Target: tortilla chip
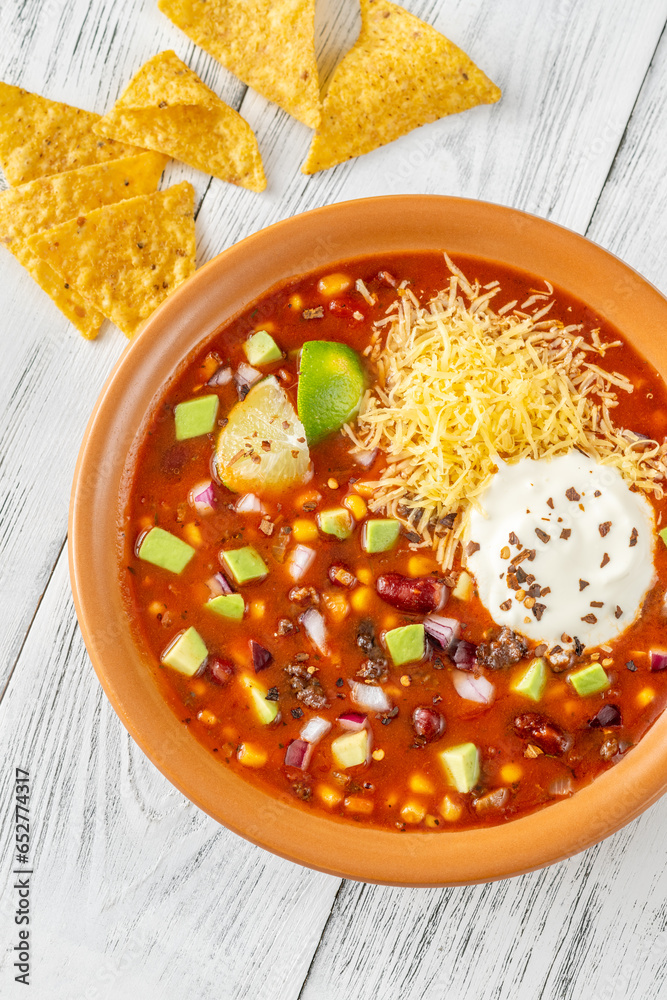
x: 128, y: 257
x: 269, y: 44
x: 40, y: 137
x: 167, y: 107
x: 400, y: 73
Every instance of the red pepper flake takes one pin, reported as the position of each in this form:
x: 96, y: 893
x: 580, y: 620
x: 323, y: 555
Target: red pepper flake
x: 538, y: 610
x: 520, y: 575
x: 513, y: 540
x: 542, y: 535
x: 597, y: 604
x: 578, y: 646
x: 605, y: 560
x: 266, y: 446
x: 545, y: 591
x: 531, y: 554
x: 506, y: 606
x: 310, y: 505
x: 541, y: 649
x: 520, y: 556
x: 550, y: 503
x: 297, y: 713
x: 273, y: 694
x: 618, y: 612
x: 535, y: 590
x: 572, y: 494
x: 591, y: 619
x: 317, y: 313
x: 472, y: 547
x: 566, y: 532
x: 583, y: 584
x: 597, y: 494
x: 604, y: 528
x: 633, y: 537
x: 631, y: 665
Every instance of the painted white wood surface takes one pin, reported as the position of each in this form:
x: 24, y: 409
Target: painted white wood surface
x: 136, y: 892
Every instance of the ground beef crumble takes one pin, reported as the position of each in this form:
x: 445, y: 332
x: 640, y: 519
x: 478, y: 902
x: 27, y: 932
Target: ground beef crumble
x: 305, y: 686
x: 505, y: 649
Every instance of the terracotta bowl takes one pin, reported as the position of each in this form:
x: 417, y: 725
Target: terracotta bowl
x: 215, y: 294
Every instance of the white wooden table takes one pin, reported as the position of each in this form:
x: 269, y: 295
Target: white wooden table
x: 135, y: 893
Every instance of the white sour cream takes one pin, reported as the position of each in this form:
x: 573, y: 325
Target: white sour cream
x: 595, y: 555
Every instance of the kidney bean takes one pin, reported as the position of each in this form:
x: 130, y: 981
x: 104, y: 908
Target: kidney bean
x: 428, y: 723
x: 219, y: 670
x: 545, y: 734
x: 416, y: 595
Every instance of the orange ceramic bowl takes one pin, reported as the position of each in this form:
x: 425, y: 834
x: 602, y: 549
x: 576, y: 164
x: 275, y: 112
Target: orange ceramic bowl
x: 214, y: 295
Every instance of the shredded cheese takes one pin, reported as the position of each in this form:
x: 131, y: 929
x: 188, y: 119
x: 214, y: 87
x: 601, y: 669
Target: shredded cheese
x: 460, y: 387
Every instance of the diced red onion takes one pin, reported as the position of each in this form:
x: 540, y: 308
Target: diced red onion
x: 658, y: 659
x: 364, y: 458
x: 221, y: 377
x: 353, y: 721
x: 300, y: 561
x: 248, y: 504
x: 473, y: 688
x: 371, y: 697
x: 609, y: 715
x: 443, y: 631
x: 298, y: 754
x: 465, y: 655
x: 260, y: 657
x: 315, y: 729
x: 314, y: 626
x: 202, y: 497
x: 246, y: 375
x: 561, y: 786
x: 218, y: 584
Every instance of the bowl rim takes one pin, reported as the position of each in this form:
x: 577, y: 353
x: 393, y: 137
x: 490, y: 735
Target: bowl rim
x: 337, y: 847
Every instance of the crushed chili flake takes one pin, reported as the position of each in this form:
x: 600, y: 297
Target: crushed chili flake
x: 538, y: 610
x: 541, y: 649
x: 297, y: 713
x: 565, y: 533
x: 531, y: 554
x: 633, y: 537
x: 578, y: 646
x: 532, y: 751
x: 550, y: 503
x: 513, y: 540
x: 597, y: 604
x: 273, y: 694
x: 545, y: 591
x: 317, y: 313
x: 505, y: 552
x: 472, y: 547
x: 521, y: 575
x: 583, y: 584
x: 413, y: 537
x: 572, y: 494
x: 605, y: 560
x: 506, y: 605
x: 542, y: 535
x: 604, y: 528
x: 535, y: 590
x: 618, y: 612
x: 310, y: 505
x: 266, y: 446
x: 520, y: 556
x: 591, y: 619
x: 597, y: 494
x: 631, y: 665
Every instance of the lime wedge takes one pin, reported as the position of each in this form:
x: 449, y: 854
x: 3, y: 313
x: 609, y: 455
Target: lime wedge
x: 331, y: 384
x: 263, y: 446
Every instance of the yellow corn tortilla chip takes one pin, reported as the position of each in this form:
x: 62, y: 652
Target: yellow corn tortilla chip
x: 128, y: 257
x: 40, y: 137
x: 167, y: 107
x: 269, y: 44
x: 48, y: 201
x: 400, y: 73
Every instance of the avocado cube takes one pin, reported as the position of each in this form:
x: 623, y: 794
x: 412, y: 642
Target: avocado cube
x: 228, y: 605
x: 165, y: 550
x: 380, y: 534
x: 336, y: 522
x: 266, y: 711
x: 261, y: 349
x: 406, y: 644
x: 461, y: 766
x: 245, y: 564
x: 531, y: 681
x: 589, y: 680
x: 186, y: 654
x: 663, y: 535
x: 351, y: 749
x: 196, y: 417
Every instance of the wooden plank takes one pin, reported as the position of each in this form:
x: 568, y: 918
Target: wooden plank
x: 135, y: 890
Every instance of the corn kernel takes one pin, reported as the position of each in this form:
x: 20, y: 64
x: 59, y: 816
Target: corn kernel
x: 251, y: 756
x: 365, y: 489
x: 359, y: 804
x: 413, y: 812
x: 391, y: 621
x: 304, y: 530
x: 420, y: 565
x: 510, y: 773
x: 420, y: 784
x: 607, y: 662
x: 378, y: 754
x: 364, y: 575
x: 431, y: 821
x: 193, y: 534
x: 198, y: 687
x: 267, y: 325
x: 146, y: 522
x: 463, y: 588
x: 391, y: 800
x: 209, y: 366
x: 361, y: 599
x: 156, y: 608
x: 296, y: 302
x: 206, y: 717
x: 333, y: 284
x: 332, y: 484
x: 330, y: 796
x: 230, y: 734
x: 257, y: 609
x: 337, y: 607
x: 356, y: 506
x: 645, y: 697
x: 450, y: 810
x: 405, y: 680
x: 308, y: 496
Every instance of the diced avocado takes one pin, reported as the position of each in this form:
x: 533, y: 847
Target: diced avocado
x: 350, y: 749
x: 261, y: 349
x: 531, y: 681
x: 589, y: 680
x: 380, y: 534
x: 245, y: 564
x: 337, y: 521
x: 266, y: 711
x: 663, y: 535
x: 406, y: 644
x: 461, y: 764
x: 228, y: 605
x: 195, y: 417
x: 163, y: 549
x: 186, y: 654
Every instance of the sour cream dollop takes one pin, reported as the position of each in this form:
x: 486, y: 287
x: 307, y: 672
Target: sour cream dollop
x: 589, y: 541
